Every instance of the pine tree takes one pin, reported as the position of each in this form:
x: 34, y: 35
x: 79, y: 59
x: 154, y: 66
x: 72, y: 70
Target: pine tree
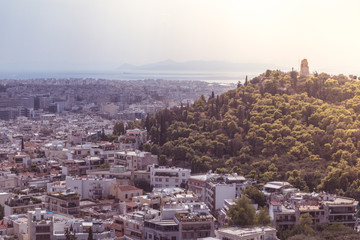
x: 90, y: 237
x: 70, y: 234
x: 238, y: 84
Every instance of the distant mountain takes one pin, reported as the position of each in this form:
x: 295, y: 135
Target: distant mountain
x: 215, y: 66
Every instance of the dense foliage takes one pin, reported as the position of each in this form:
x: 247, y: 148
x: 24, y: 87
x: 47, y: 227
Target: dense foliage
x: 242, y: 213
x: 278, y: 126
x: 320, y: 232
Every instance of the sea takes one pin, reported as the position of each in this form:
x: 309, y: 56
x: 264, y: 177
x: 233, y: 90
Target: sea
x: 211, y: 77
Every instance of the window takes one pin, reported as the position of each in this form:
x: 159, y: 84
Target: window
x: 183, y: 174
x: 126, y: 196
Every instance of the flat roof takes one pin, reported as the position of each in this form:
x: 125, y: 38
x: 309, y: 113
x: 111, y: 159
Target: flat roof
x: 164, y: 222
x: 246, y: 231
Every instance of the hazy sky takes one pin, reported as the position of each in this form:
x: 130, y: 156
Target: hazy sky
x: 103, y: 34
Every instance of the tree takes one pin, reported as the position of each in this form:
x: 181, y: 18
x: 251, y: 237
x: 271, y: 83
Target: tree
x: 143, y: 184
x: 294, y: 177
x: 242, y: 213
x: 256, y: 195
x: 70, y: 234
x: 304, y: 225
x: 34, y: 168
x: 119, y: 129
x: 263, y: 218
x: 1, y: 212
x: 162, y: 160
x: 155, y: 149
x: 104, y: 166
x: 90, y: 236
x: 311, y: 124
x: 146, y: 147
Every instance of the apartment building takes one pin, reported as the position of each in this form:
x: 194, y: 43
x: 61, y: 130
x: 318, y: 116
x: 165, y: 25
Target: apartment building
x: 90, y: 188
x: 216, y: 192
x: 282, y: 216
x: 132, y: 224
x: 161, y: 229
x: 164, y: 177
x: 8, y: 181
x: 81, y: 228
x: 40, y: 225
x: 66, y: 202
x: 240, y: 233
x: 341, y: 210
x: 133, y: 139
x: 124, y: 193
x: 194, y: 226
x: 104, y: 151
x: 135, y: 160
x: 275, y: 187
x: 181, y: 221
x: 20, y: 204
x: 324, y: 208
x: 197, y: 184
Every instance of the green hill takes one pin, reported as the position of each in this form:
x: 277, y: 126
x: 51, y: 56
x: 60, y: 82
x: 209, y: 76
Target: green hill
x: 278, y: 126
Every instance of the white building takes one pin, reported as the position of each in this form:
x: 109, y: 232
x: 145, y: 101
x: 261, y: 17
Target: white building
x: 40, y: 225
x: 197, y: 184
x: 58, y: 186
x: 90, y: 188
x: 255, y: 233
x: 81, y: 227
x: 217, y: 192
x: 163, y: 177
x: 275, y: 187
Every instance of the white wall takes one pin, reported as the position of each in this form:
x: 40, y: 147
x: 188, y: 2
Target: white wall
x: 84, y: 187
x: 226, y: 191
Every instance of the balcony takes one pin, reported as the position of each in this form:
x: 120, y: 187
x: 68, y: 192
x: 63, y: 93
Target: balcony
x: 196, y: 228
x: 69, y: 205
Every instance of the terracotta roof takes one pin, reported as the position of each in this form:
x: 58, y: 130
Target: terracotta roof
x: 2, y: 226
x: 275, y: 204
x: 131, y: 204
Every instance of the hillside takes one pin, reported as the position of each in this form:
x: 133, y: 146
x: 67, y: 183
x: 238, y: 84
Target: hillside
x: 278, y: 126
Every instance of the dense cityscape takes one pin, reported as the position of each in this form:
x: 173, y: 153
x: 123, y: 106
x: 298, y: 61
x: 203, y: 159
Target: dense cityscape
x: 179, y: 120
x: 78, y: 165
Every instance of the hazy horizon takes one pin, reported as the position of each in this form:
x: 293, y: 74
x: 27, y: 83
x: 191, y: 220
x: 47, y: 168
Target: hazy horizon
x: 94, y: 35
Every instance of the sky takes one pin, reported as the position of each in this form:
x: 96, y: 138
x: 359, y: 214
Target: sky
x: 62, y: 35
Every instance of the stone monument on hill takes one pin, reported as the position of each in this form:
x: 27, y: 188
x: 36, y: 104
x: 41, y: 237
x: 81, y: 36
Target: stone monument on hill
x: 304, y: 68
